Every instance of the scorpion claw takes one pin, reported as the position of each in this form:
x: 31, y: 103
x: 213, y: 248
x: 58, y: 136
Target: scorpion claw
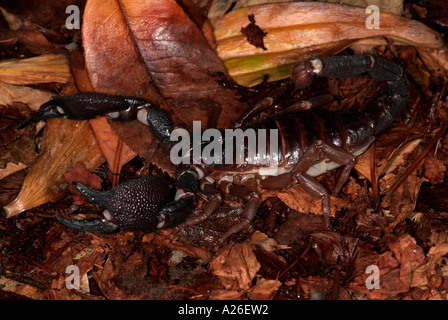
x: 97, y: 226
x: 42, y: 115
x: 92, y: 195
x: 135, y: 205
x: 83, y: 106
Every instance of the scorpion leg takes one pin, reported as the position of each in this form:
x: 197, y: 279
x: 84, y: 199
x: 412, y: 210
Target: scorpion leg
x: 299, y: 174
x: 261, y: 105
x: 249, y: 212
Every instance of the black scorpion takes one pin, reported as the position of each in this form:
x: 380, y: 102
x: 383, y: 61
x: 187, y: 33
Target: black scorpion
x: 312, y: 142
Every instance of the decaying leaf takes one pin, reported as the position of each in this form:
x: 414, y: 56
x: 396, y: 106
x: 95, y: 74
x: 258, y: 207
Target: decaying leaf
x: 300, y: 261
x: 298, y: 199
x: 296, y: 31
x: 434, y: 170
x: 123, y: 41
x: 34, y: 98
x: 64, y: 143
x: 391, y: 150
x: 400, y: 203
x: 41, y: 69
x: 17, y: 149
x: 79, y: 173
x: 264, y: 289
x: 117, y: 153
x: 236, y: 264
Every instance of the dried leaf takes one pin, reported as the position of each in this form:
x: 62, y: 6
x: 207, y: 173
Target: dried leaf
x: 411, y: 257
x: 391, y: 151
x: 32, y: 97
x: 236, y: 265
x: 64, y: 143
x: 127, y: 36
x: 434, y: 170
x: 402, y: 202
x: 16, y: 148
x: 296, y: 31
x: 298, y: 199
x: 264, y: 289
x: 79, y: 173
x: 22, y: 289
x: 41, y: 69
x: 108, y: 142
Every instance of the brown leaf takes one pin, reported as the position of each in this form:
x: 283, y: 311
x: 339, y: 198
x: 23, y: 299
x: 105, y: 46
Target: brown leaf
x: 298, y: 30
x: 352, y: 252
x: 264, y: 289
x: 64, y: 143
x: 123, y: 41
x: 298, y: 199
x: 41, y: 69
x: 434, y: 170
x: 411, y: 257
x: 236, y: 265
x: 15, y: 146
x: 402, y: 202
x: 79, y: 173
x: 391, y: 149
x: 109, y: 141
x: 34, y: 98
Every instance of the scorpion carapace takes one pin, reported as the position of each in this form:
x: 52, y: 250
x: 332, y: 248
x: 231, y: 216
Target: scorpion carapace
x: 311, y: 142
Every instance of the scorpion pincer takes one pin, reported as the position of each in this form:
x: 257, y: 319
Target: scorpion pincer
x: 312, y: 142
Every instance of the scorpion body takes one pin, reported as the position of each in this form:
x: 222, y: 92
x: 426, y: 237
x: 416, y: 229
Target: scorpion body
x: 311, y: 142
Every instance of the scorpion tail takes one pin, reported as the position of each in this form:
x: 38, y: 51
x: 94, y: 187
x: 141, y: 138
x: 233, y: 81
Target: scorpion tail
x: 397, y: 85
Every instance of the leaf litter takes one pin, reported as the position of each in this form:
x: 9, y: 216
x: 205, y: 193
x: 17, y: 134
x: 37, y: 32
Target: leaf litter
x: 284, y: 253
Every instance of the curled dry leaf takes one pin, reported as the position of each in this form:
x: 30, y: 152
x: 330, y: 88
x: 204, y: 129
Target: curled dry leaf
x: 236, y: 265
x: 298, y: 199
x: 391, y: 149
x: 63, y: 143
x: 296, y: 31
x: 400, y: 203
x: 264, y: 289
x: 219, y: 8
